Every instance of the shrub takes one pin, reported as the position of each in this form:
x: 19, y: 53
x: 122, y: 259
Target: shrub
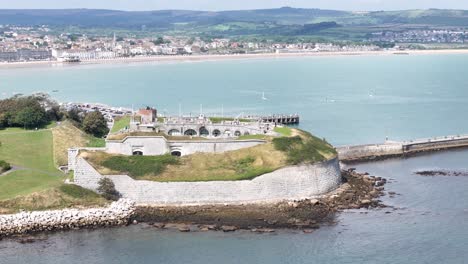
x: 107, y: 189
x: 4, y: 166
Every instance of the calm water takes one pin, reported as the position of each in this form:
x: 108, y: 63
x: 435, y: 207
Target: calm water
x: 347, y: 99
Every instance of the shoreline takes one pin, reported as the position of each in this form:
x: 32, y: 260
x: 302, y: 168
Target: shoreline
x: 358, y: 191
x: 229, y: 57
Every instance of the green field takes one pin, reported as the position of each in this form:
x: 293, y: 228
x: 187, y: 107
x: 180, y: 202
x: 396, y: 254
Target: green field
x: 32, y: 152
x: 284, y: 131
x: 35, y: 183
x: 120, y: 123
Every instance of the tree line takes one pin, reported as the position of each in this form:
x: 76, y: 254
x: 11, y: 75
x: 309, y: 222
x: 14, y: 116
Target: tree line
x: 39, y: 110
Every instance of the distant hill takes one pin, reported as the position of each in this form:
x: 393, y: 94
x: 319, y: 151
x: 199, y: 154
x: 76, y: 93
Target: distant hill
x: 284, y: 21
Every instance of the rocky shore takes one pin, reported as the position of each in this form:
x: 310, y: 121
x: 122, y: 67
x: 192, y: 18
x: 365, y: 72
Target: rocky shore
x: 118, y: 213
x: 358, y: 191
x: 441, y: 173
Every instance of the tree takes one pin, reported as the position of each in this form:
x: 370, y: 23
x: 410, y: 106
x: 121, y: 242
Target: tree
x: 95, y: 124
x: 107, y: 189
x: 31, y: 116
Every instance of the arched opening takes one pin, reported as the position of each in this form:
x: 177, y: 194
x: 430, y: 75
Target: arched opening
x: 190, y: 132
x: 176, y: 153
x: 173, y: 132
x: 137, y: 153
x: 246, y: 133
x: 216, y: 133
x: 237, y: 133
x: 227, y: 133
x: 204, y: 132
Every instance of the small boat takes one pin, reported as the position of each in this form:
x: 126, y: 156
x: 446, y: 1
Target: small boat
x: 263, y: 97
x: 55, y: 91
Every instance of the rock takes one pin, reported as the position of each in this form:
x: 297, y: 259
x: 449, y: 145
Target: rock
x: 262, y: 230
x: 229, y: 228
x: 308, y: 231
x: 159, y: 225
x: 135, y: 222
x: 184, y: 228
x: 366, y: 202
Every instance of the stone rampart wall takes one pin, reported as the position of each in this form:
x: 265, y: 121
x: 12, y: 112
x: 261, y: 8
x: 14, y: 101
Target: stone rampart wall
x: 290, y: 183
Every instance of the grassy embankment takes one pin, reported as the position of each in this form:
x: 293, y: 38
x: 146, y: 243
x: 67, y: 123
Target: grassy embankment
x: 244, y: 164
x: 37, y: 184
x: 120, y: 123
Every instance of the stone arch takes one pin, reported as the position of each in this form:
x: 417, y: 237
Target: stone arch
x: 216, y: 133
x: 203, y: 132
x: 173, y: 132
x: 246, y: 133
x: 176, y: 153
x: 237, y: 133
x: 190, y: 132
x: 227, y: 133
x: 137, y: 153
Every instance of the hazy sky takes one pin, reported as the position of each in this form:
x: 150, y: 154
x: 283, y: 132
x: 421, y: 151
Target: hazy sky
x: 236, y: 4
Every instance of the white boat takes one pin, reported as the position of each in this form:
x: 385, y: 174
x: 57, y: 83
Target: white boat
x: 263, y: 96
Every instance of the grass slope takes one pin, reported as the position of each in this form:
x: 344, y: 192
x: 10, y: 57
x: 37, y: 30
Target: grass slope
x: 120, y: 123
x: 241, y: 164
x: 66, y: 136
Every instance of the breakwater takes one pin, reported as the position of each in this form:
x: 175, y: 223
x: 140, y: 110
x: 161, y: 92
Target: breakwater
x: 118, y: 213
x: 394, y: 148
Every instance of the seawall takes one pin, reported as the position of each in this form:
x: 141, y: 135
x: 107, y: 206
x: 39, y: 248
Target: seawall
x: 289, y: 183
x: 391, y: 149
x: 118, y: 213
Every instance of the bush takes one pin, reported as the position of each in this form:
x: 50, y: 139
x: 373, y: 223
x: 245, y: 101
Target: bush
x: 4, y: 166
x: 107, y: 189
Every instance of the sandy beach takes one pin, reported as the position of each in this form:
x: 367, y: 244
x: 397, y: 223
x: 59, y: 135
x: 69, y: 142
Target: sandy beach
x: 196, y: 58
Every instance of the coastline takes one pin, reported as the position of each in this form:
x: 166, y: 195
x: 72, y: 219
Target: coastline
x: 229, y: 57
x: 358, y: 191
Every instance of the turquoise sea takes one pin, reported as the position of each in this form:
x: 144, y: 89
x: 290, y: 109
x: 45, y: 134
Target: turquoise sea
x: 347, y: 100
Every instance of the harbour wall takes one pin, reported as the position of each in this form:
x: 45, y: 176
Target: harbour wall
x: 390, y: 149
x: 289, y: 183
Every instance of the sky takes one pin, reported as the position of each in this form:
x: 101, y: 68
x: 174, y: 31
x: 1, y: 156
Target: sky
x: 216, y: 5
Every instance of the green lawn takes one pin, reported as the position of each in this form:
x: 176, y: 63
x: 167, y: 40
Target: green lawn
x: 221, y: 119
x: 284, y: 131
x: 245, y: 137
x: 37, y: 184
x: 32, y: 152
x: 120, y: 123
x: 23, y: 182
